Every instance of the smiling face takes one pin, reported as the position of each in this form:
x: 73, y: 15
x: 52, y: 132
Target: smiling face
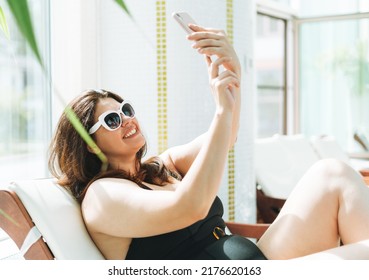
x: 122, y: 144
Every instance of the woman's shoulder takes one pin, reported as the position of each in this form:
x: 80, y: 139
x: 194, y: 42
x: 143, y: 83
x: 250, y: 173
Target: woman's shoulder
x: 103, y: 195
x: 109, y: 182
x: 111, y: 188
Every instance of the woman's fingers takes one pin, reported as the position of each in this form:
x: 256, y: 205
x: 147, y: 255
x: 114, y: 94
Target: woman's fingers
x: 215, y: 65
x: 198, y: 28
x: 204, y: 43
x: 195, y: 36
x: 207, y: 39
x: 229, y: 74
x: 222, y: 91
x: 206, y: 36
x: 208, y: 60
x: 222, y: 83
x: 213, y: 42
x: 212, y: 47
x: 225, y: 77
x: 228, y: 80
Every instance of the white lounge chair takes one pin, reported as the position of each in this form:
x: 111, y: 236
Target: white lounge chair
x: 49, y: 215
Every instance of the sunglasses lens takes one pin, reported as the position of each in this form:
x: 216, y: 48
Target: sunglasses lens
x: 128, y: 111
x: 113, y: 120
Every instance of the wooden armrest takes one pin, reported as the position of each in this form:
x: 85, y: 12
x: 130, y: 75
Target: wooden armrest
x: 268, y: 207
x: 364, y: 172
x: 16, y: 222
x: 247, y: 230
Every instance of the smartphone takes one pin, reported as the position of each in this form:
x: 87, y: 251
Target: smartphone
x: 184, y: 19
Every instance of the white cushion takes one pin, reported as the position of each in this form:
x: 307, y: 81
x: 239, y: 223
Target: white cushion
x: 58, y: 217
x: 359, y: 164
x: 328, y: 147
x: 281, y: 161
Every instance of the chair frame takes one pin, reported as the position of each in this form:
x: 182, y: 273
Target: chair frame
x: 16, y: 222
x: 268, y: 207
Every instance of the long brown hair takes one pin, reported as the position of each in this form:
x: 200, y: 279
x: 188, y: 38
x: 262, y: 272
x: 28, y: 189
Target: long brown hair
x: 76, y: 167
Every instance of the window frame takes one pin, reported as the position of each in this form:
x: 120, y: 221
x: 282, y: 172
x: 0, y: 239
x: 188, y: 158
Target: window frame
x: 287, y: 15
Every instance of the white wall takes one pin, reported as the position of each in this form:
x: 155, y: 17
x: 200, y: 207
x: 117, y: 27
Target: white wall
x: 74, y: 49
x: 128, y: 59
x: 244, y: 34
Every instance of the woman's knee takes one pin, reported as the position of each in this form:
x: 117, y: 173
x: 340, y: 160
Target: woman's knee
x: 337, y: 175
x: 333, y: 168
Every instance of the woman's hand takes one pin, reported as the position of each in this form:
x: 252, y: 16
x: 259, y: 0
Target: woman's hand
x: 211, y: 42
x: 223, y: 84
x: 217, y: 50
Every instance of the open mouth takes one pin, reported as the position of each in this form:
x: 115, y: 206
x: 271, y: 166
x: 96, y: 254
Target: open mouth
x: 130, y: 133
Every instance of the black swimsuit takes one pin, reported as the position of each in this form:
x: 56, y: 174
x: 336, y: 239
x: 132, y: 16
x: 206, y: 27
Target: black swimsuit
x: 196, y: 242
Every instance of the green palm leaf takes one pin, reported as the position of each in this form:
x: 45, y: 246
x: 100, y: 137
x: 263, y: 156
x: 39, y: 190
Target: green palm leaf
x: 74, y: 120
x: 20, y: 11
x: 3, y: 24
x: 123, y: 6
x: 8, y: 217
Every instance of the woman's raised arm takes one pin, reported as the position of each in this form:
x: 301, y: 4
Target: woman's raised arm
x: 209, y: 42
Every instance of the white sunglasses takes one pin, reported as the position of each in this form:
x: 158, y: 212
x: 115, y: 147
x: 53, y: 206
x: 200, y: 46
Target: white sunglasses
x: 112, y: 120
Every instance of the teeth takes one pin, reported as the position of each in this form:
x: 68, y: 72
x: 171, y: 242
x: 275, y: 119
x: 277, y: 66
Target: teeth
x: 130, y: 133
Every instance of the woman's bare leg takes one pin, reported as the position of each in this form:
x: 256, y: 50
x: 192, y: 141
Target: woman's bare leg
x: 331, y: 202
x: 352, y: 251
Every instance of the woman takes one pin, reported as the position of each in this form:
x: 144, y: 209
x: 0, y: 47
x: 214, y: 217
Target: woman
x: 167, y: 207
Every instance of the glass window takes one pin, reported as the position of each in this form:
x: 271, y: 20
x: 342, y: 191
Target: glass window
x: 25, y: 95
x: 270, y: 71
x: 314, y: 8
x: 334, y: 79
